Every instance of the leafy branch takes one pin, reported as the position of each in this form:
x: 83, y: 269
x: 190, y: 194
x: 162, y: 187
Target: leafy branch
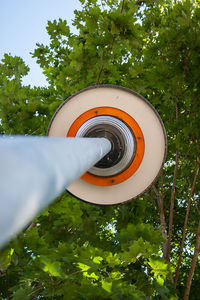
x: 193, y: 265
x: 172, y: 210
x: 185, y: 223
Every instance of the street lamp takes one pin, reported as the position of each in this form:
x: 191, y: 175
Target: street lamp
x: 106, y: 145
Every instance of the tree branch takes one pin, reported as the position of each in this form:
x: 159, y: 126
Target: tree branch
x: 193, y: 265
x: 155, y: 190
x: 122, y: 7
x: 171, y: 211
x: 99, y: 75
x: 37, y: 291
x: 157, y: 196
x: 185, y: 224
x: 197, y: 208
x: 162, y: 214
x: 33, y: 132
x: 8, y: 286
x: 153, y: 200
x: 32, y: 225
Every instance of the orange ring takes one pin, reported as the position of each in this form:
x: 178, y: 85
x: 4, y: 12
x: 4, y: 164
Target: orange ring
x: 140, y: 146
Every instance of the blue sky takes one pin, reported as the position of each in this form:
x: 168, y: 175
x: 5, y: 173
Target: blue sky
x: 23, y: 24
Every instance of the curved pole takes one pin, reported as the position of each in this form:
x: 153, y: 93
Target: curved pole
x: 35, y: 170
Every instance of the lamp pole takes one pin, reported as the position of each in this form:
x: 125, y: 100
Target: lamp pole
x: 35, y: 170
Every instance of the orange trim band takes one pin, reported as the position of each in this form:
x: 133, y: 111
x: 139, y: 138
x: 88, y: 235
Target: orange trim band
x: 133, y: 125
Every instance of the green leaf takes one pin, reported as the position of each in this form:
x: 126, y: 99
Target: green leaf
x: 5, y: 258
x: 52, y: 267
x: 107, y: 286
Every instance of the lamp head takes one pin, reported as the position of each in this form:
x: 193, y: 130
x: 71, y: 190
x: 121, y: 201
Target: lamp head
x: 136, y: 133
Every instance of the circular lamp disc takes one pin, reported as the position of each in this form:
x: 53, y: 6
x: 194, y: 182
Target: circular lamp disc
x: 150, y: 139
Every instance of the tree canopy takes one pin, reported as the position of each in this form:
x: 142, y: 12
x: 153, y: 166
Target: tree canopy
x: 145, y: 249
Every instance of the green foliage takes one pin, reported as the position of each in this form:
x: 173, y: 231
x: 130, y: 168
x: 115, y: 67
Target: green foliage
x: 76, y: 250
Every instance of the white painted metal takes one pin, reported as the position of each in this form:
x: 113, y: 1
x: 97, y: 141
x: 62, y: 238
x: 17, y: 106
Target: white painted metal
x: 35, y: 170
x: 150, y: 123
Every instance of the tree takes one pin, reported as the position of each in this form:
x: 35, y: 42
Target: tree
x: 77, y: 251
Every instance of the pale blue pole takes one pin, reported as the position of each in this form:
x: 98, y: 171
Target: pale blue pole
x: 35, y: 170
